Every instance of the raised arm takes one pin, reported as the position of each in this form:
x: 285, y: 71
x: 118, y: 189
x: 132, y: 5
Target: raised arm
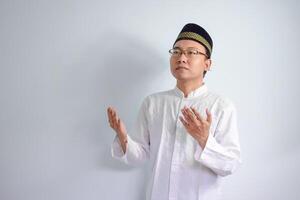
x: 133, y: 148
x: 118, y: 126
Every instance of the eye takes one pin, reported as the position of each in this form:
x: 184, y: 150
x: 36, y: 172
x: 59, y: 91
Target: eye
x: 176, y: 52
x: 192, y: 52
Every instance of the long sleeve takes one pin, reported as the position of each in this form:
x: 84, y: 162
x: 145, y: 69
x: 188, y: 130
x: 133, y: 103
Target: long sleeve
x: 222, y: 150
x: 137, y: 149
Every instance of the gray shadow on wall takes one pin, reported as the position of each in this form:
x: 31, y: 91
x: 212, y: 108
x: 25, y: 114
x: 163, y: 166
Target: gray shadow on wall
x: 128, y: 68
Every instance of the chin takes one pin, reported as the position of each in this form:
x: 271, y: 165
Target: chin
x: 182, y: 78
x: 180, y: 75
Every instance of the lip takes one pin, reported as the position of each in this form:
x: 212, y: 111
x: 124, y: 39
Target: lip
x: 180, y: 67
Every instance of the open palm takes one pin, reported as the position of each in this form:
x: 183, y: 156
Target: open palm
x: 116, y: 123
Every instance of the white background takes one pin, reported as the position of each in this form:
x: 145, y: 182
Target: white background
x: 63, y: 62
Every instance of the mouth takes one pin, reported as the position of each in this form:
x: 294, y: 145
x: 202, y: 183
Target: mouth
x: 181, y: 68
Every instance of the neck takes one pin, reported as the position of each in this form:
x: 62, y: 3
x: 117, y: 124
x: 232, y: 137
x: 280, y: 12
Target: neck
x: 187, y: 86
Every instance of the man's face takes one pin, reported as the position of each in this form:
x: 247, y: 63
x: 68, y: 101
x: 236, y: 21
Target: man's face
x: 184, y: 67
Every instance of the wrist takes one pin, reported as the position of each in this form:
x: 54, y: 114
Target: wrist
x: 123, y: 142
x: 202, y: 142
x: 122, y: 138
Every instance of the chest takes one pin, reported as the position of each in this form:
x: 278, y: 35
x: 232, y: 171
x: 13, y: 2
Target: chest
x: 164, y: 125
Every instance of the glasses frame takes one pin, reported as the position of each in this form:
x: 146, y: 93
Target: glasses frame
x: 185, y: 52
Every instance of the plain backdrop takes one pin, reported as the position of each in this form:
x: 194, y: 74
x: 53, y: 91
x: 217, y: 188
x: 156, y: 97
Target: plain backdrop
x: 63, y: 62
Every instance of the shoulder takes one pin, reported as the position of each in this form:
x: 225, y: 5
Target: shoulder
x: 220, y: 102
x: 158, y: 96
x: 154, y: 101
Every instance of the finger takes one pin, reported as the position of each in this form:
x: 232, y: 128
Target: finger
x: 198, y: 115
x: 209, y: 118
x: 114, y: 118
x: 192, y: 116
x: 185, y: 123
x: 109, y: 113
x: 119, y: 123
x: 186, y: 116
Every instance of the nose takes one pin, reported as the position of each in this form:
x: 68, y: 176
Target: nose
x: 182, y: 58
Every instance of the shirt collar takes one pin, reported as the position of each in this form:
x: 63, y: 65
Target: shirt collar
x: 195, y: 93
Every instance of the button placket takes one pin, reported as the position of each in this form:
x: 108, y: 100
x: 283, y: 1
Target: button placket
x: 175, y: 165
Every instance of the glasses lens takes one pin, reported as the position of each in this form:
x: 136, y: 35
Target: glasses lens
x: 192, y: 52
x: 175, y: 52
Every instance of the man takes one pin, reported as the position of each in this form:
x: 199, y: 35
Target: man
x: 188, y: 134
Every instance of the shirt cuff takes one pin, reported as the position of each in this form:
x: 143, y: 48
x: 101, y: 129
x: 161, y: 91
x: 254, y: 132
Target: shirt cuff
x: 211, y: 156
x: 203, y: 154
x: 116, y: 149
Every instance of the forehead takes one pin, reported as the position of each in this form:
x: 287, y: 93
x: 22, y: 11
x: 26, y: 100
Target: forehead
x: 189, y: 43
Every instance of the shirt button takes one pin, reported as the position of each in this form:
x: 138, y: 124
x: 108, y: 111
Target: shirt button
x: 174, y: 167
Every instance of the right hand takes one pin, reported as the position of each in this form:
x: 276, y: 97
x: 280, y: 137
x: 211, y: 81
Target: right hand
x: 116, y: 123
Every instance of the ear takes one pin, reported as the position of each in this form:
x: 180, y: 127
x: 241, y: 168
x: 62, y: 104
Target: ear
x: 208, y: 62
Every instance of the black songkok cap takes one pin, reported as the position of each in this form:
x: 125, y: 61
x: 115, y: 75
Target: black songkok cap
x: 197, y: 33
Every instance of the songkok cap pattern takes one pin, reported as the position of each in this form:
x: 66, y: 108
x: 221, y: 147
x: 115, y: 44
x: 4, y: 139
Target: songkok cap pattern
x: 195, y: 32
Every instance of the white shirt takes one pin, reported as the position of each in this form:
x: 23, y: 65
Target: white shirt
x: 181, y: 169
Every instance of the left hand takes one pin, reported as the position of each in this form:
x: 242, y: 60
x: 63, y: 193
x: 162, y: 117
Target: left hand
x: 196, y: 126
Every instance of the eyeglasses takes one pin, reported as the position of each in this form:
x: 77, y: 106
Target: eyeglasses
x: 190, y: 53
